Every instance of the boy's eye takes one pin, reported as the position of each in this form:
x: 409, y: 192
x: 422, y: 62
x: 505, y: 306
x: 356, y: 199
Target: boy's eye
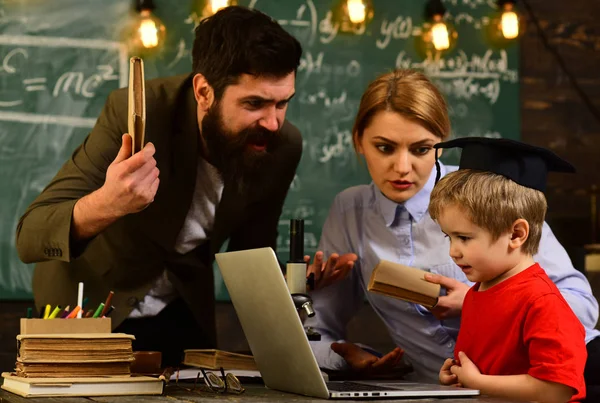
x: 463, y: 238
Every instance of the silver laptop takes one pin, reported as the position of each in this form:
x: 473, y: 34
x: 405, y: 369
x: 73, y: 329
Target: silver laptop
x: 277, y: 339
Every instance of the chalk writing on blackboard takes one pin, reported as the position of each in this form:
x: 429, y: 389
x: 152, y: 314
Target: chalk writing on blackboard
x: 28, y: 62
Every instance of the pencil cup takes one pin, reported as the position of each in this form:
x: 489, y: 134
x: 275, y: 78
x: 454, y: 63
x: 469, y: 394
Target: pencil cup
x: 56, y: 326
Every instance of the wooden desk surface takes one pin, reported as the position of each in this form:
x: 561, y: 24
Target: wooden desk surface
x: 254, y: 393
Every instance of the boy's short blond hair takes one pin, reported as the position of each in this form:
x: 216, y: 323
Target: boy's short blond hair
x: 493, y: 202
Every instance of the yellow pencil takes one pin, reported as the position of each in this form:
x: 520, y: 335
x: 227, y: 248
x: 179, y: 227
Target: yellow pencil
x: 55, y: 312
x: 47, y: 311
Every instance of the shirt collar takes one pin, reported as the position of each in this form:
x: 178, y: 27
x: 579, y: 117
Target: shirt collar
x: 416, y: 206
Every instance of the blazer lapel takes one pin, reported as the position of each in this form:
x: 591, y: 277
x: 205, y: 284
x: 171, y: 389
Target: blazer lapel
x: 178, y: 163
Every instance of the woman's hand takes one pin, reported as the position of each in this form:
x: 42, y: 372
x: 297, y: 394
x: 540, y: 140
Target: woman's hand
x: 326, y: 273
x: 365, y: 362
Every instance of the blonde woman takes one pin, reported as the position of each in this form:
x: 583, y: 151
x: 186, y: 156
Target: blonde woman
x: 402, y: 115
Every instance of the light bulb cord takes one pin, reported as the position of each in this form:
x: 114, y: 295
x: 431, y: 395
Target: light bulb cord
x: 572, y: 79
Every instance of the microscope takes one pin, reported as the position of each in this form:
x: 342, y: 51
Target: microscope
x: 296, y: 276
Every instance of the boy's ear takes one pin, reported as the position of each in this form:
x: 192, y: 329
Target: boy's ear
x: 203, y: 92
x: 519, y: 233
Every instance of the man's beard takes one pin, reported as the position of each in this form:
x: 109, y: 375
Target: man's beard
x: 231, y: 153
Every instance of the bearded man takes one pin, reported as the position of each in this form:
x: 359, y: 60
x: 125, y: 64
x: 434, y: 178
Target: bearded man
x: 217, y: 166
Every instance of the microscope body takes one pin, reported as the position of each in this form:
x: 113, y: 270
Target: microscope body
x: 296, y: 276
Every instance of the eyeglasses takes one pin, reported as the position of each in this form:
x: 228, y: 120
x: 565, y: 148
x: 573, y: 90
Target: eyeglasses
x: 226, y: 383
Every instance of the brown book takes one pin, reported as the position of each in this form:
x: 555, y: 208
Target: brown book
x: 74, y: 355
x: 71, y: 370
x: 74, y: 348
x: 216, y: 359
x: 89, y: 386
x: 403, y: 282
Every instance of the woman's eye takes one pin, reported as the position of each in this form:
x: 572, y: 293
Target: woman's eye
x: 422, y: 150
x: 385, y: 148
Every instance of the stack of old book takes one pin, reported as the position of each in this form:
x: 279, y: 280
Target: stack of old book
x: 73, y: 355
x: 77, y: 364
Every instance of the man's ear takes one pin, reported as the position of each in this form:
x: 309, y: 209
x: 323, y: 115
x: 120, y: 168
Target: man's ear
x: 519, y: 233
x: 204, y: 93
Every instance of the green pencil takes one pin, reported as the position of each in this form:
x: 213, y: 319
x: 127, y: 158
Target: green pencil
x: 98, y: 310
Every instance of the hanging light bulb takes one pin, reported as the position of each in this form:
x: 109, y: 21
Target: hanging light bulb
x: 438, y: 34
x: 353, y: 16
x: 357, y: 11
x: 147, y: 32
x: 505, y: 24
x: 440, y: 38
x: 509, y: 22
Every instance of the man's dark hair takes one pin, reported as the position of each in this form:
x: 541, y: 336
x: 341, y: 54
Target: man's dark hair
x: 237, y: 40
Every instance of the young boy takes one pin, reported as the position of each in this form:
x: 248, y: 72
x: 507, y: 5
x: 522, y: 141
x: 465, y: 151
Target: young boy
x: 518, y: 337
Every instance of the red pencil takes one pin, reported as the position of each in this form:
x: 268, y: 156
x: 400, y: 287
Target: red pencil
x: 107, y: 303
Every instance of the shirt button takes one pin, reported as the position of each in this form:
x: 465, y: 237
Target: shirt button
x: 450, y: 345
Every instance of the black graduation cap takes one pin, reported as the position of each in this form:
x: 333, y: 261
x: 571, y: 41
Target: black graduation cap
x: 523, y: 163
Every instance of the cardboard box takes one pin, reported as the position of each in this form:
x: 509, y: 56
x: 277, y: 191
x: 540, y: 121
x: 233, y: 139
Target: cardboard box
x: 54, y: 326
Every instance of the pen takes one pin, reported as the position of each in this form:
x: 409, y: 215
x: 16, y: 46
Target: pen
x: 100, y: 307
x: 108, y: 311
x: 74, y: 312
x: 55, y: 312
x: 47, y: 311
x: 89, y: 314
x: 107, y: 303
x: 29, y: 313
x: 85, y: 301
x: 66, y: 311
x: 79, y: 298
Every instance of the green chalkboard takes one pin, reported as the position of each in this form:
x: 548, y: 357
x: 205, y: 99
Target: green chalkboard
x: 60, y: 59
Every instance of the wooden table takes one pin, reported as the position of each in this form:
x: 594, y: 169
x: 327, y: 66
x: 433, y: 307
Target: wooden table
x: 254, y: 393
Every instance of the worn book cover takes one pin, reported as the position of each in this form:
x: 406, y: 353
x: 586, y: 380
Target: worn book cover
x: 75, y: 348
x: 74, y: 355
x: 215, y: 359
x: 403, y: 282
x: 89, y: 386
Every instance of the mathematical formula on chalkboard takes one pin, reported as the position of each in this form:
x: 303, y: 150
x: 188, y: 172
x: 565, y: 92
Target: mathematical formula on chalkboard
x: 59, y: 62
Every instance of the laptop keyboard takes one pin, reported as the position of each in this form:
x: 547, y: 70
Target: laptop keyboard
x: 355, y: 387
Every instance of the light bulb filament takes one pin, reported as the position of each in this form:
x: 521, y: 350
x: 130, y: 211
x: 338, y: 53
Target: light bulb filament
x: 356, y: 11
x: 440, y: 37
x: 148, y: 33
x: 510, y: 24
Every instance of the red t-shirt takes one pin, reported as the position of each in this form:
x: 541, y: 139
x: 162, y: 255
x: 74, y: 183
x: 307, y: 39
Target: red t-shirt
x: 524, y: 326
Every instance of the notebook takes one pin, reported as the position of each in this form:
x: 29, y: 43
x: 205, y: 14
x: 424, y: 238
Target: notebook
x: 92, y: 386
x: 277, y: 339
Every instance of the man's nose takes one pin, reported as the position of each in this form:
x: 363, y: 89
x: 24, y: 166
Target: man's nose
x: 270, y: 121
